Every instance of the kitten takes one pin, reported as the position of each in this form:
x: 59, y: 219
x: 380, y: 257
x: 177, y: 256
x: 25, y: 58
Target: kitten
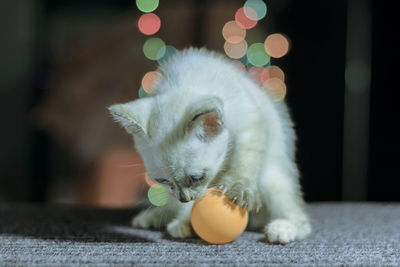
x: 210, y: 125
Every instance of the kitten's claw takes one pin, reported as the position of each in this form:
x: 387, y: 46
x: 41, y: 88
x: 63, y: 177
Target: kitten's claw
x: 258, y: 208
x: 242, y: 195
x: 222, y: 188
x: 179, y: 229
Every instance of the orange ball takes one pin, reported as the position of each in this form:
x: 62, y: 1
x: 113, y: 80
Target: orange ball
x: 216, y: 219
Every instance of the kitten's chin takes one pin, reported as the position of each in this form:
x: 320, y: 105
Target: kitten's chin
x: 184, y: 198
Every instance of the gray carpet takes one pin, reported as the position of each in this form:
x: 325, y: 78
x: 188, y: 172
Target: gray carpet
x: 347, y: 234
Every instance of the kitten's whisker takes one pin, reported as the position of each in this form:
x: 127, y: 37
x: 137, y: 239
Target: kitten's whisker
x: 122, y: 166
x: 130, y: 165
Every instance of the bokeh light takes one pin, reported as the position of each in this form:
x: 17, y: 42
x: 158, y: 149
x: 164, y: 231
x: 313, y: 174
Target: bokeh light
x: 233, y: 33
x: 243, y: 21
x: 235, y: 50
x: 147, y: 5
x: 149, y: 23
x: 154, y: 48
x: 275, y: 88
x: 169, y: 51
x: 276, y: 72
x: 258, y: 6
x: 158, y: 195
x: 259, y: 74
x: 142, y: 93
x: 257, y: 56
x: 149, y: 82
x: 239, y: 64
x: 277, y: 45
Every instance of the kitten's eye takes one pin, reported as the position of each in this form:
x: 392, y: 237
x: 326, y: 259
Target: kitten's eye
x: 196, y: 178
x: 161, y: 180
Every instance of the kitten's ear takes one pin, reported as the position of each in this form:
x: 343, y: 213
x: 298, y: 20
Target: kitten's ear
x: 206, y: 118
x: 133, y: 116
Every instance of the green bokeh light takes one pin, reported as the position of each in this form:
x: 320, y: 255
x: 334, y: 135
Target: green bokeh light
x: 158, y: 195
x: 257, y: 56
x: 169, y: 51
x: 147, y: 5
x: 154, y: 48
x: 258, y: 6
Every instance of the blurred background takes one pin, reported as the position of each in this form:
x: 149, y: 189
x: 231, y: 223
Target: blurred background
x: 62, y: 62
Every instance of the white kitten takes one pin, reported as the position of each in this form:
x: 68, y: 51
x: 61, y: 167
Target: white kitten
x: 209, y: 125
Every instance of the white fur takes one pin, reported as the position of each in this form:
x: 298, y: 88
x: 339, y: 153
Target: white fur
x: 251, y: 159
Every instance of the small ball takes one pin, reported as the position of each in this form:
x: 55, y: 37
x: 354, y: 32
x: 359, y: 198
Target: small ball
x: 216, y: 219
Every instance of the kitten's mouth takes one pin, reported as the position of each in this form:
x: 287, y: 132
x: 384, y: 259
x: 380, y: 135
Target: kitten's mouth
x: 187, y: 195
x: 184, y: 198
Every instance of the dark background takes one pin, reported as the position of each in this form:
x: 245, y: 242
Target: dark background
x: 31, y: 46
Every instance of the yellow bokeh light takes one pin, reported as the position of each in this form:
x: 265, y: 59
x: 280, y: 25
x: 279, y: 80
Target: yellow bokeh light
x: 233, y: 33
x: 276, y: 72
x: 275, y: 88
x: 235, y: 50
x: 277, y: 45
x: 150, y: 81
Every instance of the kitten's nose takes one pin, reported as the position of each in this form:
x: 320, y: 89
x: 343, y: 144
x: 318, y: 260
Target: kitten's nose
x: 184, y: 198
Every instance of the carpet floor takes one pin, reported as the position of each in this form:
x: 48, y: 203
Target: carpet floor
x: 345, y: 234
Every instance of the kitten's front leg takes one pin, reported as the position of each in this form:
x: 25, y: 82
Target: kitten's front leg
x: 153, y: 217
x: 285, y: 205
x: 180, y: 227
x: 239, y: 182
x: 240, y: 188
x: 175, y: 216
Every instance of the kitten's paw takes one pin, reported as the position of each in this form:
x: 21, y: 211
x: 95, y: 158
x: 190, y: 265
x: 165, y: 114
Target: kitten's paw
x: 179, y: 229
x: 142, y: 220
x: 283, y: 231
x: 242, y: 195
x: 147, y: 219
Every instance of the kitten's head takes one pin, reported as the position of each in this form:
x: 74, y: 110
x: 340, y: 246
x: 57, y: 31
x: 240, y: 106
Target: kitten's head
x: 183, y: 148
